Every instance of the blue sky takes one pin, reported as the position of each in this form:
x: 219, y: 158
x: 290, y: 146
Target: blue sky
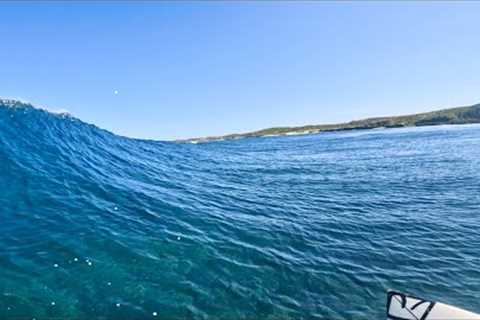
x: 185, y: 69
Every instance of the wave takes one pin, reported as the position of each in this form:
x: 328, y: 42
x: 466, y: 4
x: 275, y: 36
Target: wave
x: 95, y: 225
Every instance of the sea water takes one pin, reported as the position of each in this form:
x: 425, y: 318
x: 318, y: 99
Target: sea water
x: 98, y: 226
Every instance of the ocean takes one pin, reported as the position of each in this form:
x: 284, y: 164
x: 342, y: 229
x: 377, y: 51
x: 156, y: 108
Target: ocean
x: 98, y: 226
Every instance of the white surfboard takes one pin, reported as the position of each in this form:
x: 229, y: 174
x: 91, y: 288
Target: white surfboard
x: 405, y: 307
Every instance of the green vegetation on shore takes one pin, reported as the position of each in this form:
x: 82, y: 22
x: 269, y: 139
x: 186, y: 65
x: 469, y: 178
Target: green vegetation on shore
x: 460, y: 115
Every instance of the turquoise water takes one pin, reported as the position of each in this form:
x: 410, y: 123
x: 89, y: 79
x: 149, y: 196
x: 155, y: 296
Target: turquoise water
x: 94, y: 225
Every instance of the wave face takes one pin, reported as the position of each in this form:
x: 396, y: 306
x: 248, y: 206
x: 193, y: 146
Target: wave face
x: 94, y: 225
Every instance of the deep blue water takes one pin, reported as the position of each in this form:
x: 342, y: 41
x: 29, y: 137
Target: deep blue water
x: 93, y: 225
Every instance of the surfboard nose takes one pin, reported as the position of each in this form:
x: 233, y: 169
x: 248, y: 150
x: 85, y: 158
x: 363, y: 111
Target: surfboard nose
x: 401, y: 306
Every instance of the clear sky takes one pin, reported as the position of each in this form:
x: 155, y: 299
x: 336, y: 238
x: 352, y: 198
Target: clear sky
x: 205, y: 68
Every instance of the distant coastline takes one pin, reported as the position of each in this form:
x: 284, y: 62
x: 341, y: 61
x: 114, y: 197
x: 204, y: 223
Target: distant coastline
x: 459, y: 115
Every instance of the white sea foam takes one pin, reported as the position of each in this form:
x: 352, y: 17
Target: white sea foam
x: 16, y: 102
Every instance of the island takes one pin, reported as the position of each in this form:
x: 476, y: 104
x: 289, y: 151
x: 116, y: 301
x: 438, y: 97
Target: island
x: 459, y: 115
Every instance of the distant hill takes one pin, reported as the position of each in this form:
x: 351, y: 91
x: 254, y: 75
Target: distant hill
x: 460, y: 115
